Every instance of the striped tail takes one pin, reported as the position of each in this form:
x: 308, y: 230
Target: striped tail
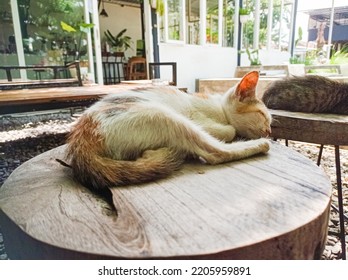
x: 92, y: 168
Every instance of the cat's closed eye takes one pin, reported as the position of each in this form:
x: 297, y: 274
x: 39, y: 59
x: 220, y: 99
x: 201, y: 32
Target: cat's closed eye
x: 259, y: 124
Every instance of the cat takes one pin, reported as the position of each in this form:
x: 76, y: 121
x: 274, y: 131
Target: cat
x: 145, y: 134
x: 310, y: 94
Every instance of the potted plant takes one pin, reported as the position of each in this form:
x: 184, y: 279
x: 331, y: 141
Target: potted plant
x: 253, y: 56
x: 244, y: 15
x: 255, y: 63
x: 119, y: 42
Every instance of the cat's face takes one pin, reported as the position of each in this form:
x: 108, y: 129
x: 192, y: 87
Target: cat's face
x: 253, y: 120
x: 248, y: 114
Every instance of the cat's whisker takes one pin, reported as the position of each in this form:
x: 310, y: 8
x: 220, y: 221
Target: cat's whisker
x: 275, y: 121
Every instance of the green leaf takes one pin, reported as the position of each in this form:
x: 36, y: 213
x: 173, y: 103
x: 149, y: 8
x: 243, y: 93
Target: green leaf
x: 121, y: 33
x: 67, y: 27
x: 85, y: 27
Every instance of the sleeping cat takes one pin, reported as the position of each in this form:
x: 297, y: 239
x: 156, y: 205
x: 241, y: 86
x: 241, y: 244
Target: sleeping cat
x: 311, y: 94
x: 144, y: 134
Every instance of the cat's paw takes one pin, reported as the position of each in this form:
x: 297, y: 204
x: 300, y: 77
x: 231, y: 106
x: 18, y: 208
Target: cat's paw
x: 263, y: 145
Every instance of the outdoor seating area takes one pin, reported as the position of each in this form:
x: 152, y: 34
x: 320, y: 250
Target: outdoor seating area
x: 89, y: 94
x: 288, y: 203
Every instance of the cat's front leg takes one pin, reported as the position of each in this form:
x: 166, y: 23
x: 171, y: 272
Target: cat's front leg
x: 223, y: 132
x: 237, y: 151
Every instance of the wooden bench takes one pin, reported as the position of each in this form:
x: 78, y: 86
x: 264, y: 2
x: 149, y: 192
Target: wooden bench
x: 324, y: 129
x: 273, y: 206
x: 10, y: 84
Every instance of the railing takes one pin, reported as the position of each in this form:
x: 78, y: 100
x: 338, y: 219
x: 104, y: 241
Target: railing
x: 57, y: 81
x: 154, y: 71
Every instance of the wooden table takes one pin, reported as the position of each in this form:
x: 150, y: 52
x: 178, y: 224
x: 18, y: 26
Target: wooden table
x: 324, y: 129
x: 273, y: 206
x: 24, y: 100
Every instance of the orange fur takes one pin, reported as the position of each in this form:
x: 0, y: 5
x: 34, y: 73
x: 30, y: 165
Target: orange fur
x: 145, y: 134
x: 93, y: 167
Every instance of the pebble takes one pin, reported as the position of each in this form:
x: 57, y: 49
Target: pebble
x: 22, y: 138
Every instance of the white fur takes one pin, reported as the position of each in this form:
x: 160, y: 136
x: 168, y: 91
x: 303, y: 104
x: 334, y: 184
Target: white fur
x: 164, y: 117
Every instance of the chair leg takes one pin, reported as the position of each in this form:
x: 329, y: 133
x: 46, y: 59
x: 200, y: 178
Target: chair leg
x: 340, y: 202
x: 320, y: 154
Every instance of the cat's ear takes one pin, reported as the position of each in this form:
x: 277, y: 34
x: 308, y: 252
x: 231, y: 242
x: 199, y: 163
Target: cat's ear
x: 247, y: 86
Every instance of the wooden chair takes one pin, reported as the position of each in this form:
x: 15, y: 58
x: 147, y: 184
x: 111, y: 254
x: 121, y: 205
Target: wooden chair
x: 113, y: 67
x: 136, y: 68
x: 154, y: 71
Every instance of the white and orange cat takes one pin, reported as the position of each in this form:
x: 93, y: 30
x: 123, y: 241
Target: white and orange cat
x: 144, y: 134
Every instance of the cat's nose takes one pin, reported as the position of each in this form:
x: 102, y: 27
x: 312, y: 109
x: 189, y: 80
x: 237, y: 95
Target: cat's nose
x: 268, y: 132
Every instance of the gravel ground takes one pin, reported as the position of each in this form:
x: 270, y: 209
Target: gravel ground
x: 25, y: 136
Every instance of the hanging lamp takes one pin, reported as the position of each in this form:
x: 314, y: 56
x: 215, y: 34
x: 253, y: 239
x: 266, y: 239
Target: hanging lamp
x: 103, y: 13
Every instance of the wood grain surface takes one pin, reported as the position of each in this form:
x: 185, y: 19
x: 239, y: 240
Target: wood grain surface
x: 46, y: 95
x: 273, y: 206
x: 327, y: 129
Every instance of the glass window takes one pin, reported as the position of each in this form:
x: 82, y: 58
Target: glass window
x: 228, y: 23
x: 41, y: 25
x: 280, y: 29
x: 175, y: 23
x: 193, y: 22
x: 161, y: 27
x: 281, y: 21
x: 44, y: 40
x: 8, y: 49
x: 285, y: 26
x: 212, y: 18
x: 248, y: 26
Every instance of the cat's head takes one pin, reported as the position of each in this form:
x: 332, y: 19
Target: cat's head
x: 248, y: 114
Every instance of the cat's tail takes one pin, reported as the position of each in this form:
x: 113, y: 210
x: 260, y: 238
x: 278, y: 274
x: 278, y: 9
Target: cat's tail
x: 94, y: 169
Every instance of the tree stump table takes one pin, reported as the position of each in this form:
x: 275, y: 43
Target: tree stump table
x: 273, y: 206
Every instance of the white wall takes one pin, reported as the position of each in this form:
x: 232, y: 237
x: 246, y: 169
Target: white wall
x: 198, y: 62
x: 193, y: 62
x: 268, y: 57
x: 120, y: 18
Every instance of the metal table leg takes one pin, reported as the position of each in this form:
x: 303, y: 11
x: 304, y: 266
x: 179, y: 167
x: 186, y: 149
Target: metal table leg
x: 320, y: 154
x: 340, y: 201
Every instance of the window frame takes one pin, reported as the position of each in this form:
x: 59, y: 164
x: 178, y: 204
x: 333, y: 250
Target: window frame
x: 182, y: 18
